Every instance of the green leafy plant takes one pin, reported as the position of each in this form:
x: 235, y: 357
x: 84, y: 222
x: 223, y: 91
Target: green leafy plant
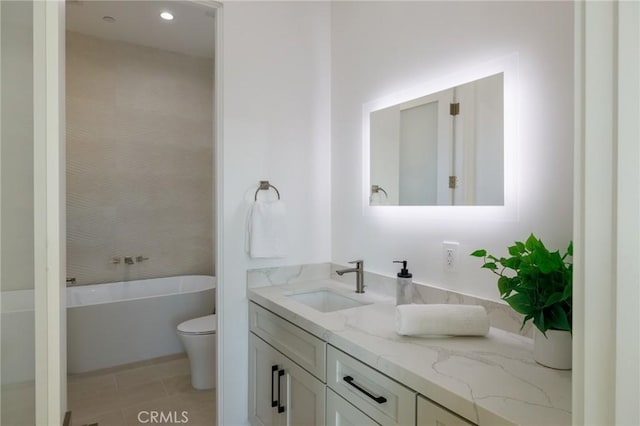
x: 535, y: 282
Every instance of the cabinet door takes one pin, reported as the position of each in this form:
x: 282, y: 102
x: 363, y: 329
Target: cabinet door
x: 263, y: 377
x: 280, y: 391
x: 431, y: 414
x: 341, y: 413
x: 305, y: 396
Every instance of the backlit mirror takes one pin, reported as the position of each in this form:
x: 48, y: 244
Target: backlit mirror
x: 443, y: 148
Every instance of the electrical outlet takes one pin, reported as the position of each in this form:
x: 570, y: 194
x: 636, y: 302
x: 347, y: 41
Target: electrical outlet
x: 450, y: 256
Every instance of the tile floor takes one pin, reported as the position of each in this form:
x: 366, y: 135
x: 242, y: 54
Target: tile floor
x: 128, y: 396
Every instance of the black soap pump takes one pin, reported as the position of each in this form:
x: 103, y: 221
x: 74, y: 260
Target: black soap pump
x: 404, y: 288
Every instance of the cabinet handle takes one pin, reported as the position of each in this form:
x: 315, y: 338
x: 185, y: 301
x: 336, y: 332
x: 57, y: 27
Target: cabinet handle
x: 274, y: 368
x: 280, y: 407
x: 378, y: 399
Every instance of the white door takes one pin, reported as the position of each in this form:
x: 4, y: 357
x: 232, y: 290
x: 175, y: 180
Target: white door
x: 32, y: 364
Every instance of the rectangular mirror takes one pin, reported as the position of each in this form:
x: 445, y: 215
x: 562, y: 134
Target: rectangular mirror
x: 440, y: 149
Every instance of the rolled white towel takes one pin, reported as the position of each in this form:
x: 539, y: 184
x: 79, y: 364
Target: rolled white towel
x: 448, y: 320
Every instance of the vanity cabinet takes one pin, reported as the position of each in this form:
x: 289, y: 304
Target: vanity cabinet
x: 297, y: 379
x: 282, y: 358
x: 431, y: 414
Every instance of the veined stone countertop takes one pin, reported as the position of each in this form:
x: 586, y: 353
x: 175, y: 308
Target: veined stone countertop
x: 490, y: 380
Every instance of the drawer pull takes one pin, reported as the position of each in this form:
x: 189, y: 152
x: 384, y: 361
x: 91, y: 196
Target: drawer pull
x: 274, y: 403
x: 280, y: 407
x: 378, y: 399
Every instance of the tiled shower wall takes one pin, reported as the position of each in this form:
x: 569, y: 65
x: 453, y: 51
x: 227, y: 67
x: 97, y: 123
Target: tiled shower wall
x: 139, y: 161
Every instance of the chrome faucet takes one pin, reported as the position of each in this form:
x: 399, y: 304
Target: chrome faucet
x: 129, y: 260
x: 359, y: 270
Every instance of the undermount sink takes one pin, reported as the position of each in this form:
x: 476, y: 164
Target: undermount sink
x: 326, y: 301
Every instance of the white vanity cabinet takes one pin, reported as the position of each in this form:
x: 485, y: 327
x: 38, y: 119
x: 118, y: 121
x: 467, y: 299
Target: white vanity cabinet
x: 281, y: 392
x: 372, y: 376
x: 297, y: 379
x: 431, y: 414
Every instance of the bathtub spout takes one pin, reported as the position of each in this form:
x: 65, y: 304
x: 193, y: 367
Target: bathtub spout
x: 129, y: 260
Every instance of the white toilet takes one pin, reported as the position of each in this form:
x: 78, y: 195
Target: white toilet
x: 198, y: 337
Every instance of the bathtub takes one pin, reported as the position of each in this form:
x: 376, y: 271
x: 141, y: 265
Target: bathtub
x: 119, y: 323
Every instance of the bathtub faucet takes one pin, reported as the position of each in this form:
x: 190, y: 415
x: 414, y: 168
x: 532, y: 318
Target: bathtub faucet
x: 129, y: 260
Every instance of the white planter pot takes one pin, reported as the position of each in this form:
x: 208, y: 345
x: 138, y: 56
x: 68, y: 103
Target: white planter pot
x: 554, y: 350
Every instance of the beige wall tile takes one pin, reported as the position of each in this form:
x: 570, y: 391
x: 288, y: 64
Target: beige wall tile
x: 139, y: 161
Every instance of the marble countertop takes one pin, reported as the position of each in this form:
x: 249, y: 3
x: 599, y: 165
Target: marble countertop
x: 490, y: 380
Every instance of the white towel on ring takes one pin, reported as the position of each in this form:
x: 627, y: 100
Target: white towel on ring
x: 441, y: 319
x: 268, y: 230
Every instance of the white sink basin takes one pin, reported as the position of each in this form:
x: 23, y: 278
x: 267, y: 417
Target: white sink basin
x: 326, y: 301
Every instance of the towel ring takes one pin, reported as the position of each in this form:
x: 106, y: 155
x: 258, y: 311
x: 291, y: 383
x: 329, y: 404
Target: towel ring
x: 264, y: 186
x: 377, y: 188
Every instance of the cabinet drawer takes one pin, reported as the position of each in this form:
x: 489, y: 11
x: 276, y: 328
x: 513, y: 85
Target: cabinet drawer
x: 431, y: 414
x: 303, y: 348
x: 381, y: 398
x: 341, y: 413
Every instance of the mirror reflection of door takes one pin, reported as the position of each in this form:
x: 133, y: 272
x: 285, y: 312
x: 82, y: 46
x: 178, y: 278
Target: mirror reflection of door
x: 419, y: 155
x: 418, y: 145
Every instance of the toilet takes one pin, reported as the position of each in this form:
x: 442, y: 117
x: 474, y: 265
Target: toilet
x: 198, y: 337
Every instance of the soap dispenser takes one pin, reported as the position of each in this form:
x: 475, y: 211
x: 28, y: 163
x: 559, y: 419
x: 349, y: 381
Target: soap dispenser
x: 404, y: 288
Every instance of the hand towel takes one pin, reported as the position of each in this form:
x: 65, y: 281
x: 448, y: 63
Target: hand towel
x: 267, y: 229
x: 447, y: 319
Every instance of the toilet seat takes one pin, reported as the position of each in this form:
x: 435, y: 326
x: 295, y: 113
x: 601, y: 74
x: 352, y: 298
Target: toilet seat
x: 198, y: 326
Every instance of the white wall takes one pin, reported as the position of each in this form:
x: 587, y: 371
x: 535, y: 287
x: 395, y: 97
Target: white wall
x: 17, y: 146
x: 17, y: 354
x: 380, y: 48
x: 276, y: 126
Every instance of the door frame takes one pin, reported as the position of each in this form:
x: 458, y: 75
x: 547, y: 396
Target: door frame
x: 50, y: 201
x: 49, y: 211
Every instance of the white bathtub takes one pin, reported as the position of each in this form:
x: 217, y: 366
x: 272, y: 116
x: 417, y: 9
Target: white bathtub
x: 118, y: 323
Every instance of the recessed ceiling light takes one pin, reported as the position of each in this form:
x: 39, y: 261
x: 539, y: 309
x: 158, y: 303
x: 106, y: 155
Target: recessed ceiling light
x: 109, y: 19
x: 167, y: 16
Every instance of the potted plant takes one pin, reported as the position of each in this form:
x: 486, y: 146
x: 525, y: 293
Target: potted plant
x: 537, y: 283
